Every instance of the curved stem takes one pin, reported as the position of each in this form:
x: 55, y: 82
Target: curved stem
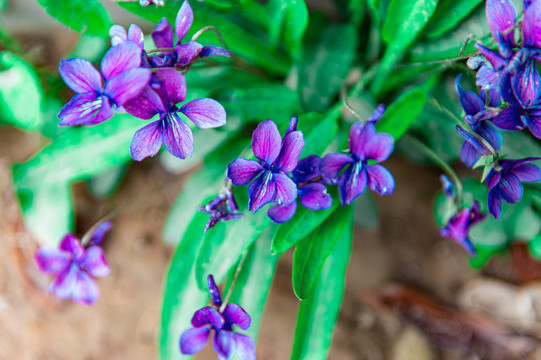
x: 209, y: 28
x: 230, y: 291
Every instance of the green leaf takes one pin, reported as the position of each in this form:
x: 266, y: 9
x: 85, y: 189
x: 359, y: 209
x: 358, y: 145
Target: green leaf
x: 79, y: 154
x: 535, y: 246
x: 107, y: 182
x: 181, y: 295
x: 86, y: 16
x: 319, y: 312
x: 289, y: 19
x: 327, y: 60
x: 484, y: 254
x: 366, y: 213
x: 21, y: 94
x: 319, y: 131
x: 47, y: 212
x: 402, y: 113
x: 311, y: 253
x: 448, y: 15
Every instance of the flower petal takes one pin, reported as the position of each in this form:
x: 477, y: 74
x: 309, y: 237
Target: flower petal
x: 118, y: 34
x: 127, y: 84
x: 184, y: 20
x: 531, y: 25
x: 286, y: 189
x: 244, y: 346
x: 177, y: 136
x: 490, y: 133
x: 510, y: 119
x: 73, y: 246
x: 163, y: 34
x: 494, y: 203
x: 147, y: 104
x: 469, y: 154
x: 526, y: 84
x: 470, y: 101
x: 80, y: 75
x: 62, y: 286
x: 147, y: 141
x: 186, y: 53
x: 380, y: 179
x: 307, y: 169
x: 281, y: 214
x: 97, y: 235
x: 211, y: 50
x: 501, y: 16
x: 94, y: 262
x: 496, y: 60
x: 214, y: 291
x: 224, y: 344
x: 314, y: 196
x: 527, y: 173
x: 291, y: 149
x: 235, y: 315
x: 509, y: 188
x: 377, y: 114
x: 332, y: 164
x: 171, y: 85
x: 205, y: 113
x: 85, y: 109
x: 533, y: 120
x: 266, y: 141
x: 85, y: 290
x: 135, y: 34
x: 352, y: 183
x: 50, y: 260
x: 193, y: 340
x: 121, y: 57
x: 261, y: 191
x: 208, y: 316
x: 242, y: 171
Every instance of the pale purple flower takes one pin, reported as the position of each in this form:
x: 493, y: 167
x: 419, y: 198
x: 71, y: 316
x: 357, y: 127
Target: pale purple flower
x: 119, y: 35
x: 75, y: 266
x: 458, y: 226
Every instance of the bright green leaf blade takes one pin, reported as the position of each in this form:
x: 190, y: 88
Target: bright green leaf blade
x: 402, y: 113
x: 311, y: 253
x: 319, y: 131
x: 319, y: 312
x: 21, y: 94
x: 289, y: 19
x: 448, y: 15
x: 86, y: 16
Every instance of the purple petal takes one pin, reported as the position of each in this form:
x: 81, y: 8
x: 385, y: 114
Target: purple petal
x: 235, y: 315
x: 177, y: 136
x: 314, y: 196
x: 510, y: 119
x: 85, y: 290
x: 85, y: 109
x: 526, y: 84
x: 527, y: 173
x: 224, y: 345
x: 470, y: 101
x: 473, y: 141
x: 281, y: 214
x: 173, y: 86
x: 494, y: 203
x: 94, y: 262
x: 358, y: 135
x: 242, y: 171
x: 193, y: 340
x: 147, y: 141
x: 380, y: 179
x: 205, y: 113
x: 118, y: 34
x: 490, y: 133
x: 163, y: 34
x: 80, y: 75
x: 62, y: 286
x: 261, y: 191
x: 214, y: 51
x: 531, y: 25
x: 534, y: 124
x: 266, y: 141
x: 371, y: 145
x: 501, y: 16
x: 121, y: 57
x: 509, y: 188
x: 214, y: 291
x: 50, y: 260
x: 186, y: 53
x: 377, y: 114
x: 184, y: 20
x: 352, y: 183
x: 493, y: 178
x: 135, y: 34
x: 147, y: 104
x: 291, y: 149
x: 97, y: 235
x: 448, y: 186
x: 332, y: 164
x: 307, y: 169
x: 469, y: 154
x: 487, y: 78
x: 286, y: 189
x: 244, y: 346
x: 73, y: 246
x: 208, y: 316
x: 495, y: 98
x: 127, y: 85
x: 292, y: 125
x: 495, y: 59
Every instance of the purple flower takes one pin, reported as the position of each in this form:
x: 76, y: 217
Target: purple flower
x: 459, y: 225
x: 310, y: 190
x: 269, y: 178
x: 223, y: 207
x: 226, y: 342
x: 119, y: 35
x: 166, y: 89
x: 75, y: 266
x: 447, y: 186
x: 504, y: 182
x: 93, y: 102
x: 364, y: 144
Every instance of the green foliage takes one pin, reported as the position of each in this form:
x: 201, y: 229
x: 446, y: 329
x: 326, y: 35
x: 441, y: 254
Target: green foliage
x: 319, y: 131
x: 448, y: 15
x: 289, y: 19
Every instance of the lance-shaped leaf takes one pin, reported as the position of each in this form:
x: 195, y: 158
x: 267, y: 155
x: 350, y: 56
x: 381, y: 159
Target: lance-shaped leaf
x: 449, y: 14
x: 290, y: 20
x: 402, y: 112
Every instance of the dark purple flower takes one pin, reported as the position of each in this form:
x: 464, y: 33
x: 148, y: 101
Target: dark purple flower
x: 364, y: 144
x: 504, y: 182
x: 459, y: 225
x: 269, y: 178
x: 93, y: 102
x: 75, y: 266
x: 226, y: 342
x: 223, y: 207
x: 166, y: 89
x: 447, y: 186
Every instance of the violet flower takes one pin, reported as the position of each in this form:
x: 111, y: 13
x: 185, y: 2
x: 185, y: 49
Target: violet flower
x: 226, y: 342
x: 223, y: 207
x: 75, y: 266
x: 166, y: 89
x: 504, y: 182
x: 119, y: 35
x: 459, y: 225
x: 448, y: 187
x: 94, y: 101
x: 268, y: 177
x: 364, y: 144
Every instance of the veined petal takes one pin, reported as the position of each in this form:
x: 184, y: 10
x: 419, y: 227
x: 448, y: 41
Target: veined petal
x: 145, y: 105
x: 205, y: 113
x: 470, y: 101
x: 291, y: 149
x: 94, y: 262
x: 127, y: 84
x: 80, y: 76
x: 509, y: 188
x: 469, y: 154
x: 184, y: 20
x: 378, y: 147
x: 286, y: 189
x: 73, y: 246
x: 314, y: 196
x: 235, y: 315
x: 307, y: 169
x: 531, y: 25
x: 186, y: 53
x: 193, y: 340
x: 494, y: 203
x: 510, y: 119
x: 533, y: 121
x: 208, y: 316
x: 85, y: 109
x: 177, y: 136
x: 332, y: 164
x: 266, y: 141
x: 121, y: 57
x: 163, y: 34
x: 223, y: 344
x: 215, y: 296
x: 147, y: 141
x: 85, y: 290
x: 352, y: 183
x: 490, y: 133
x: 526, y: 84
x: 242, y: 171
x: 495, y: 59
x: 261, y: 191
x: 135, y: 34
x: 118, y: 34
x: 358, y: 136
x: 97, y: 235
x: 501, y: 16
x: 380, y: 179
x: 50, y: 260
x: 173, y: 86
x: 210, y: 50
x: 527, y: 173
x: 244, y: 346
x: 281, y: 214
x: 62, y: 286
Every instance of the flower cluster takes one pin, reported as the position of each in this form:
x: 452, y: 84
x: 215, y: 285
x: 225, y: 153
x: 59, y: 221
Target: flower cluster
x: 130, y: 85
x: 226, y: 342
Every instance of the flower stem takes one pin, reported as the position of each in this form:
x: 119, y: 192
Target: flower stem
x: 159, y: 50
x: 209, y: 28
x: 230, y: 291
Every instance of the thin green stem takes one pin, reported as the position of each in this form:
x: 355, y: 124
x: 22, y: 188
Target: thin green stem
x: 209, y: 28
x: 237, y: 272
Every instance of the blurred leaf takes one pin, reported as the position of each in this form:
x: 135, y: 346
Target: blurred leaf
x: 410, y: 74
x: 366, y: 214
x: 181, y: 295
x: 47, y: 212
x: 319, y: 312
x: 91, y: 48
x: 535, y: 246
x: 21, y: 94
x: 289, y: 19
x: 312, y: 251
x: 402, y: 113
x: 328, y: 57
x: 3, y: 4
x: 107, y: 182
x: 86, y: 16
x: 449, y: 14
x: 319, y: 131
